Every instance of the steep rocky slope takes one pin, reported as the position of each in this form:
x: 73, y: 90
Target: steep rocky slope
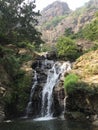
x: 87, y: 67
x: 53, y: 10
x: 82, y: 103
x: 57, y: 17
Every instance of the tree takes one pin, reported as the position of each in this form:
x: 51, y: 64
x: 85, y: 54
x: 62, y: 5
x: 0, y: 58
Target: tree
x: 90, y: 31
x: 67, y: 49
x: 17, y: 22
x: 17, y: 30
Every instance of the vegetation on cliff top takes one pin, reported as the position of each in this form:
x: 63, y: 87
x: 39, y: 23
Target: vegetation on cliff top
x: 67, y: 49
x: 74, y: 19
x: 92, y: 28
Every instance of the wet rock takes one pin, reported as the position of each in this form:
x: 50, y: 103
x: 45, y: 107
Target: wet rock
x: 83, y: 102
x: 46, y: 68
x: 2, y: 115
x: 51, y: 55
x: 95, y: 123
x: 79, y: 116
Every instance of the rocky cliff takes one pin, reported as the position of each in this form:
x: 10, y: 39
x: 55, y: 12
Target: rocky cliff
x: 82, y: 103
x: 87, y: 67
x: 57, y: 17
x: 54, y: 10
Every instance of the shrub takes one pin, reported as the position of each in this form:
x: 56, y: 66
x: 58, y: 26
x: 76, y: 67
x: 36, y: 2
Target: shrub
x: 70, y: 83
x: 95, y: 47
x: 73, y: 84
x: 54, y: 21
x: 67, y: 49
x: 17, y: 97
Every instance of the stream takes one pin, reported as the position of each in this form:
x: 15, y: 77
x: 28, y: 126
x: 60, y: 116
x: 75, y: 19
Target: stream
x: 53, y: 124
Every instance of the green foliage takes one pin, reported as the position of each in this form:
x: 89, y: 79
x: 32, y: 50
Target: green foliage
x: 17, y: 23
x: 79, y: 12
x: 5, y: 51
x: 18, y: 83
x: 54, y: 21
x: 70, y: 83
x: 90, y: 31
x: 11, y: 64
x: 17, y: 97
x: 93, y: 48
x: 17, y: 32
x: 69, y: 33
x: 47, y: 48
x: 22, y: 87
x: 93, y: 31
x: 67, y: 49
x: 96, y: 14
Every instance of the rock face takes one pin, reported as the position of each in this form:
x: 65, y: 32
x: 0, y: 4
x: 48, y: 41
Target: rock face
x: 82, y: 102
x: 53, y: 26
x: 42, y: 75
x: 85, y: 100
x: 59, y: 96
x: 53, y: 10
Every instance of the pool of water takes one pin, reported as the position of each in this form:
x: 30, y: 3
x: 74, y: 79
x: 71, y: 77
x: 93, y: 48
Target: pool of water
x: 53, y: 124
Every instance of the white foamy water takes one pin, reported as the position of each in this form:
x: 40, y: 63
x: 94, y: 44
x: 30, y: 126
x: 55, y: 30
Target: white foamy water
x: 54, y: 74
x: 29, y: 106
x: 44, y: 119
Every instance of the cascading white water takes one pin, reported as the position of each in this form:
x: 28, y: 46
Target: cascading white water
x: 65, y: 103
x: 54, y: 74
x: 29, y: 106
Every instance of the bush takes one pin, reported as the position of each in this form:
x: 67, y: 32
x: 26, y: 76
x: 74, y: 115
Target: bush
x: 67, y: 49
x: 73, y: 84
x: 54, y: 21
x: 70, y: 83
x: 17, y: 97
x: 95, y: 47
x: 22, y: 87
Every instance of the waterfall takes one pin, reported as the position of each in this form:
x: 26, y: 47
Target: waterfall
x: 65, y: 103
x: 58, y: 70
x: 29, y: 106
x: 47, y: 74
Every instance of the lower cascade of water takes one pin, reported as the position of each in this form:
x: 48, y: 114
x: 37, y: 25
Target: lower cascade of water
x: 54, y: 74
x: 29, y: 106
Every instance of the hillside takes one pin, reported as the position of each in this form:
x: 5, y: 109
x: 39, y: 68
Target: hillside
x: 55, y: 9
x: 82, y: 101
x: 57, y: 17
x: 87, y: 67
